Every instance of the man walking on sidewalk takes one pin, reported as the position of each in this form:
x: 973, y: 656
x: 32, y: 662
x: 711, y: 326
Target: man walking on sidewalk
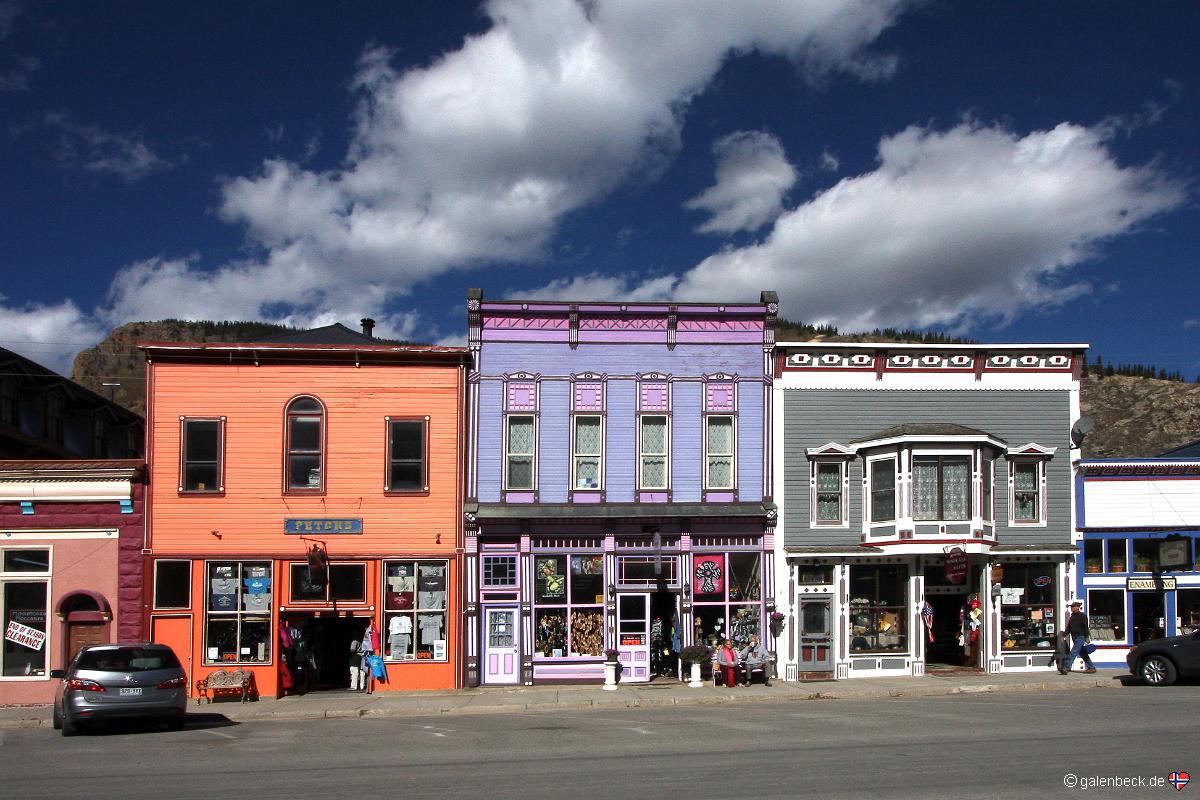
x: 1077, y: 628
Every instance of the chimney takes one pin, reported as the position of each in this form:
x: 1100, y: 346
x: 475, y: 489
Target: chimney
x: 368, y: 326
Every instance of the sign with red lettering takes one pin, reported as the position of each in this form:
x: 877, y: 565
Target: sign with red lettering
x: 24, y: 635
x: 956, y: 565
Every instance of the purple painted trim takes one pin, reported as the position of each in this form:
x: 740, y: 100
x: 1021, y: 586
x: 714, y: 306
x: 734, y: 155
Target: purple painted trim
x: 722, y: 325
x: 511, y: 306
x: 595, y: 335
x: 586, y: 497
x: 525, y: 335
x: 653, y: 497
x: 718, y: 337
x: 719, y: 497
x: 518, y: 497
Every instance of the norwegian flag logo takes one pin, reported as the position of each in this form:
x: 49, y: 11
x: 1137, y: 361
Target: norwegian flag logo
x: 1179, y: 780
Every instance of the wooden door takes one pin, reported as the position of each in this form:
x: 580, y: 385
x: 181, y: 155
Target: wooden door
x: 816, y: 649
x: 81, y: 634
x: 176, y: 633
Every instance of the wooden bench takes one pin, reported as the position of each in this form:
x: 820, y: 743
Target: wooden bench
x: 225, y: 681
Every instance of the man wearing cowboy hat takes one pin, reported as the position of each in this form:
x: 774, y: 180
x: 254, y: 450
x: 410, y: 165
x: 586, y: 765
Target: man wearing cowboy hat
x: 1077, y: 627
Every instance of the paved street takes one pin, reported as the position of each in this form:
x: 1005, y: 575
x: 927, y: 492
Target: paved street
x: 967, y: 745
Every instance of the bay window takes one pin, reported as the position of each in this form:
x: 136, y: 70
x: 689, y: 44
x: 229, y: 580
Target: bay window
x: 941, y: 487
x: 883, y: 489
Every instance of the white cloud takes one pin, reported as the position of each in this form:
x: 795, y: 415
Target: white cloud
x: 595, y: 286
x: 49, y: 335
x: 89, y: 148
x: 828, y: 162
x: 753, y: 175
x: 952, y: 227
x: 1191, y: 323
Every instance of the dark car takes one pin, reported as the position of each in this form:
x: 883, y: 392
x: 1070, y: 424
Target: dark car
x: 1159, y: 662
x: 120, y: 681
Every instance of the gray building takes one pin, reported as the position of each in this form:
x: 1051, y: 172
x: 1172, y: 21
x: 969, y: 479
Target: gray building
x: 926, y: 508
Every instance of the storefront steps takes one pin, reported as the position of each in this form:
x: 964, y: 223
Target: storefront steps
x: 510, y: 700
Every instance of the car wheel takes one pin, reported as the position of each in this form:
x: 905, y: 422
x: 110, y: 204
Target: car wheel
x: 56, y: 718
x: 69, y: 728
x: 1158, y: 670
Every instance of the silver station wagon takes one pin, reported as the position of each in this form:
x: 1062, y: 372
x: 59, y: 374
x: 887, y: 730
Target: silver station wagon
x: 120, y: 681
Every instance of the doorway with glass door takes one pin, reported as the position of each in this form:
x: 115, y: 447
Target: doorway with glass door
x: 815, y: 634
x: 501, y: 661
x: 633, y: 636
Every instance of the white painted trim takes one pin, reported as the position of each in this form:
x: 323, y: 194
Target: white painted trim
x: 901, y: 346
x: 58, y: 534
x: 830, y: 450
x: 48, y: 489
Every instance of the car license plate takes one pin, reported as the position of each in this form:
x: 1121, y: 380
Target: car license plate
x: 130, y: 691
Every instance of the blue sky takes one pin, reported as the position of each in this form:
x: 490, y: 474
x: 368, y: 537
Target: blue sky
x: 1019, y: 171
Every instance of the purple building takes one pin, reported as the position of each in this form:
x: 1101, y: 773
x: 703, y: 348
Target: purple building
x: 618, y: 485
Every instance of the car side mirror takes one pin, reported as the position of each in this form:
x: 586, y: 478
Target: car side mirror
x: 58, y: 673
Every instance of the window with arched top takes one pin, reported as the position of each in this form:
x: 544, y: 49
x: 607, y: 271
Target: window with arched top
x: 305, y: 445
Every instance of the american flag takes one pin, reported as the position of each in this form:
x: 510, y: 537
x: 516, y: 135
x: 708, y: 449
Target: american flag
x: 927, y: 617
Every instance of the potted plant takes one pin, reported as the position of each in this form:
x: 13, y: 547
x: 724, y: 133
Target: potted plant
x: 695, y: 654
x: 1093, y: 565
x: 612, y: 665
x: 777, y: 622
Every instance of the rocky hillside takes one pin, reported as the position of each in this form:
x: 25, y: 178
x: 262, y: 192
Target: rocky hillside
x: 118, y: 360
x: 1138, y: 417
x: 1135, y: 416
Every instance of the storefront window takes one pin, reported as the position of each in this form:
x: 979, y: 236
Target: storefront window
x: 1145, y: 554
x: 569, y: 599
x: 415, y: 610
x: 172, y: 584
x: 640, y: 571
x: 23, y: 609
x: 727, y: 589
x: 1118, y: 561
x: 238, y: 627
x: 1187, y: 610
x: 1028, y: 598
x: 1106, y: 614
x: 878, y: 608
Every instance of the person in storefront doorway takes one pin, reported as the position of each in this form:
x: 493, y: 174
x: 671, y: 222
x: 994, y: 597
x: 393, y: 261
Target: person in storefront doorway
x: 727, y: 662
x: 367, y: 647
x: 1077, y: 629
x: 755, y: 657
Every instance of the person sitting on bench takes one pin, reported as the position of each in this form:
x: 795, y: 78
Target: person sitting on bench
x: 727, y: 663
x: 754, y: 658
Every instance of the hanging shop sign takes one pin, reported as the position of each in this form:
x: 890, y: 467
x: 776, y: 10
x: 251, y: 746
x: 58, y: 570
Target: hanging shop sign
x: 956, y: 565
x: 1174, y: 553
x: 1149, y: 584
x: 323, y: 525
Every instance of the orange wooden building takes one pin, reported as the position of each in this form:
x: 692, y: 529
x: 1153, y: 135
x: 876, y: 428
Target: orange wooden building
x: 300, y: 488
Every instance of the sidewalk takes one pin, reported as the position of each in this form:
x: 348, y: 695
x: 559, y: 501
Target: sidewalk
x: 519, y: 699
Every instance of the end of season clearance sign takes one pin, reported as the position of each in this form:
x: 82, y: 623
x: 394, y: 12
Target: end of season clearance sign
x: 24, y: 635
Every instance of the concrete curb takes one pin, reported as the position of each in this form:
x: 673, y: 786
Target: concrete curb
x: 39, y: 717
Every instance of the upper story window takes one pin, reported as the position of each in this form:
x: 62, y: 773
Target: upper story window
x: 587, y: 431
x: 203, y: 445
x: 829, y: 492
x: 406, y: 447
x: 588, y: 451
x: 54, y: 417
x: 882, y: 473
x: 305, y: 445
x: 520, y: 433
x: 719, y: 439
x: 1027, y: 484
x: 941, y: 487
x: 519, y: 438
x: 8, y: 400
x: 653, y: 450
x: 499, y: 571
